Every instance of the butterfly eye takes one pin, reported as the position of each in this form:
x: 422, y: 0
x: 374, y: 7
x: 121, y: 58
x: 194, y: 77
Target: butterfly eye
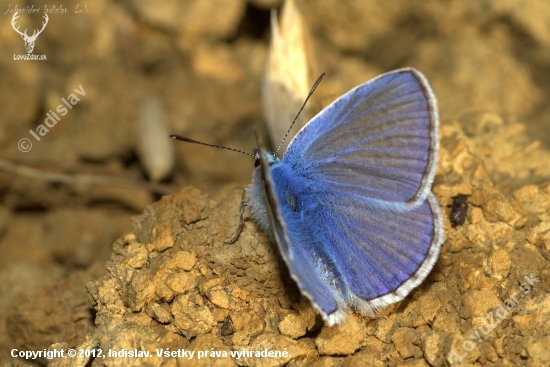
x: 257, y: 162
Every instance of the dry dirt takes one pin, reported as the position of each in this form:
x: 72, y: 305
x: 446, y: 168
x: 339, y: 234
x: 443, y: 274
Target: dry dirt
x: 108, y: 266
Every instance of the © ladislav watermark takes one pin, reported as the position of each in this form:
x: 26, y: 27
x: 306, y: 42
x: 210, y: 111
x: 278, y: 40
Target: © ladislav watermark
x: 495, y: 317
x: 52, y: 118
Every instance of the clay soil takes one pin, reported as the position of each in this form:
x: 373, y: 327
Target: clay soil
x: 96, y: 255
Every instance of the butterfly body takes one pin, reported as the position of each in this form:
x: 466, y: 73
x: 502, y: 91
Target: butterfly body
x: 349, y: 204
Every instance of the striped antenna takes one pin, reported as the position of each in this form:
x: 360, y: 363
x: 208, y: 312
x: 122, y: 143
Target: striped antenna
x: 296, y: 118
x: 178, y: 137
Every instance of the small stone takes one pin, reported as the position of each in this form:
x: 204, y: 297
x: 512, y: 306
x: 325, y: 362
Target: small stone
x: 138, y: 255
x: 219, y: 298
x: 211, y: 283
x: 458, y: 245
x: 158, y: 312
x: 306, y: 311
x: 403, y: 339
x: 369, y: 355
x: 163, y: 292
x: 445, y: 322
x: 445, y: 260
x: 199, y: 300
x: 478, y: 302
x: 433, y: 348
x: 383, y: 328
x: 478, y: 279
x: 429, y: 307
x: 191, y: 213
x: 500, y: 263
x: 293, y: 325
x: 191, y: 318
x: 524, y: 322
x: 181, y: 282
x: 248, y: 321
x: 220, y: 314
x: 142, y: 290
x: 345, y: 338
x: 182, y: 260
x: 475, y: 215
x: 240, y: 339
x: 538, y: 352
x: 161, y: 243
x: 538, y: 231
x: 461, y: 350
x: 500, y: 345
x: 489, y: 352
x: 504, y: 211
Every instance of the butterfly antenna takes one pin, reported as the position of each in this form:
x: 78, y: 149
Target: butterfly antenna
x: 178, y: 137
x: 296, y: 118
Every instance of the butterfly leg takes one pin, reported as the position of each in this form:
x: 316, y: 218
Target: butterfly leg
x: 244, y: 205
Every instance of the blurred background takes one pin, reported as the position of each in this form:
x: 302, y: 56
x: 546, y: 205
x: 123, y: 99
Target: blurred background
x: 146, y: 69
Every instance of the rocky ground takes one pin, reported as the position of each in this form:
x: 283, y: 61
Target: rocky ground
x: 77, y: 271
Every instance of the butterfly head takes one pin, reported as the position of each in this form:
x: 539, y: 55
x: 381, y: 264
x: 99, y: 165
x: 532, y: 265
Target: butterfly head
x: 269, y: 157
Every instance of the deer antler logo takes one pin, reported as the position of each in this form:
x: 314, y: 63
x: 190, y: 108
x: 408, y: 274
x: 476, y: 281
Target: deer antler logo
x: 29, y: 40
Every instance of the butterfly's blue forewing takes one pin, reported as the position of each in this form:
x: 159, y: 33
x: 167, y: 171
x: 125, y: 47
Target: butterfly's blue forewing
x: 379, y: 141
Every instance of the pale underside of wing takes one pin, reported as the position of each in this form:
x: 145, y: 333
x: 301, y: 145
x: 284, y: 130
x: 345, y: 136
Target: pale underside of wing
x: 378, y: 141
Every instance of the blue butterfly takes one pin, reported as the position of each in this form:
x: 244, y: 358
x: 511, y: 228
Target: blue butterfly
x: 349, y: 204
